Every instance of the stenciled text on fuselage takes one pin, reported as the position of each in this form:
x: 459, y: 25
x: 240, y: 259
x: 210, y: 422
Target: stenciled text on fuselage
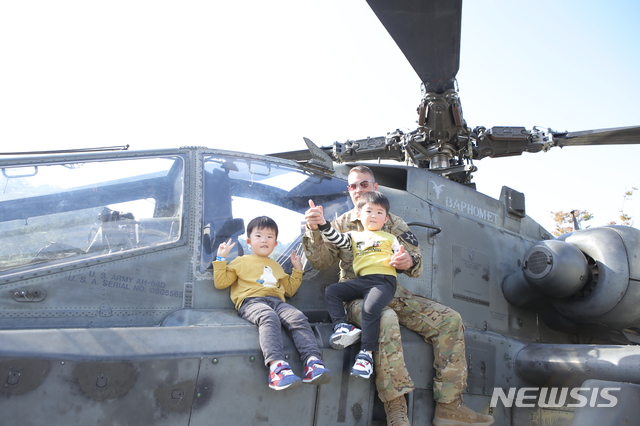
x: 471, y: 210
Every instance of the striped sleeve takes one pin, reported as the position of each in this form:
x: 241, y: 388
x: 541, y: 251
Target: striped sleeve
x: 342, y: 241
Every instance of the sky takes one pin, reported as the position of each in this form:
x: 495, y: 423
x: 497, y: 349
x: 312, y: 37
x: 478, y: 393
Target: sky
x: 258, y: 76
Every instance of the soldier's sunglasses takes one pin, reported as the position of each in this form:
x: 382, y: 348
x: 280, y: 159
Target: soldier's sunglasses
x: 364, y: 184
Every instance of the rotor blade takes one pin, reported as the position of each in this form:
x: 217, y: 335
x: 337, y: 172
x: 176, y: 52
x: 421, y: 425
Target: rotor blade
x: 619, y: 135
x: 314, y: 156
x: 428, y: 33
x: 302, y: 155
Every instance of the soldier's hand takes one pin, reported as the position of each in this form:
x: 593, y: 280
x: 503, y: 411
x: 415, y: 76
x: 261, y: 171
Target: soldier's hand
x: 314, y: 216
x: 401, y: 260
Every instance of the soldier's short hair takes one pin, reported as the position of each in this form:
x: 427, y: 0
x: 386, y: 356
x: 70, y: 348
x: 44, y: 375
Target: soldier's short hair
x: 362, y: 169
x: 262, y: 222
x: 374, y: 197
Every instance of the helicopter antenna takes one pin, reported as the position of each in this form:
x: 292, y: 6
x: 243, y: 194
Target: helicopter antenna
x: 576, y: 225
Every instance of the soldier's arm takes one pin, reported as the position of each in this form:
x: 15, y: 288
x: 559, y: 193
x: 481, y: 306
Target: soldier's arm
x: 404, y: 235
x: 320, y: 253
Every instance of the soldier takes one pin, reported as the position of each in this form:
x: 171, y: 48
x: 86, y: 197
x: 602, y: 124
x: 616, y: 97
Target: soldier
x: 439, y: 325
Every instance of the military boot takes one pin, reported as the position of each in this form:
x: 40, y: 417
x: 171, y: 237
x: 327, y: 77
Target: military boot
x: 396, y: 411
x: 455, y: 413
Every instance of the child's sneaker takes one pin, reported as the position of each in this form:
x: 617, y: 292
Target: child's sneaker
x: 344, y: 335
x: 316, y: 373
x: 363, y: 366
x: 283, y: 378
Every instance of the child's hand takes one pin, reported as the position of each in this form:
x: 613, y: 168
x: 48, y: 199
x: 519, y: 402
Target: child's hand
x: 295, y: 260
x: 314, y: 216
x: 225, y: 248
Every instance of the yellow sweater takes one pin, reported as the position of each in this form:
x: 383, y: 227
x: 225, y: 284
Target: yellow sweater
x: 255, y: 276
x: 372, y: 251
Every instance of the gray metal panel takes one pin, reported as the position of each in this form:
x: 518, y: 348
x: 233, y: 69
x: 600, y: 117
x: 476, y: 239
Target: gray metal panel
x: 148, y: 392
x: 421, y: 406
x: 570, y: 365
x: 234, y: 388
x: 418, y: 357
x: 150, y: 376
x: 413, y: 209
x: 126, y: 292
x: 625, y: 412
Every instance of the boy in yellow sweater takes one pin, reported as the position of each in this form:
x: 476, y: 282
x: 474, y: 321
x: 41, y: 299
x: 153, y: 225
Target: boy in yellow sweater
x: 259, y: 286
x: 375, y: 283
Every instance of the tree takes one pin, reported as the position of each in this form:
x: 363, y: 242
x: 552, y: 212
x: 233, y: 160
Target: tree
x: 565, y: 221
x: 626, y: 219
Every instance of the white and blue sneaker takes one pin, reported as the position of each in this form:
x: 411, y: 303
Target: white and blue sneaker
x: 344, y: 335
x: 363, y: 366
x: 283, y: 378
x: 316, y: 373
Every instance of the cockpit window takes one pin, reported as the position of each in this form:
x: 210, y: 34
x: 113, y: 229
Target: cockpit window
x: 237, y: 190
x: 58, y: 211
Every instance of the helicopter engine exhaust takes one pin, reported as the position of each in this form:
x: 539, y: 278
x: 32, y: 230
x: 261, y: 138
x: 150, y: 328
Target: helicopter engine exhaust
x: 554, y: 269
x: 587, y: 280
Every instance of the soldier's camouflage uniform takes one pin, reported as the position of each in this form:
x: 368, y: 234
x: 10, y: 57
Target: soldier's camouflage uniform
x: 440, y: 325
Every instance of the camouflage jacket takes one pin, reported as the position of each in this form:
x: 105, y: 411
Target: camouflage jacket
x: 322, y: 254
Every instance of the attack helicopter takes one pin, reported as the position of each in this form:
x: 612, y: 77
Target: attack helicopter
x: 108, y: 314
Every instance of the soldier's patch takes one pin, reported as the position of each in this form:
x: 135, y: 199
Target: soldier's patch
x: 410, y: 238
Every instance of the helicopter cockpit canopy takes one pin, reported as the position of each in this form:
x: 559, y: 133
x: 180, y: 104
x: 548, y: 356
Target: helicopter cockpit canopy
x: 238, y: 189
x: 57, y: 212
x: 60, y: 211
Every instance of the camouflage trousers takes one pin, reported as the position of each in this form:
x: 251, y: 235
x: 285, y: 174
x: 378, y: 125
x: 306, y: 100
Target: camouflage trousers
x: 439, y: 325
